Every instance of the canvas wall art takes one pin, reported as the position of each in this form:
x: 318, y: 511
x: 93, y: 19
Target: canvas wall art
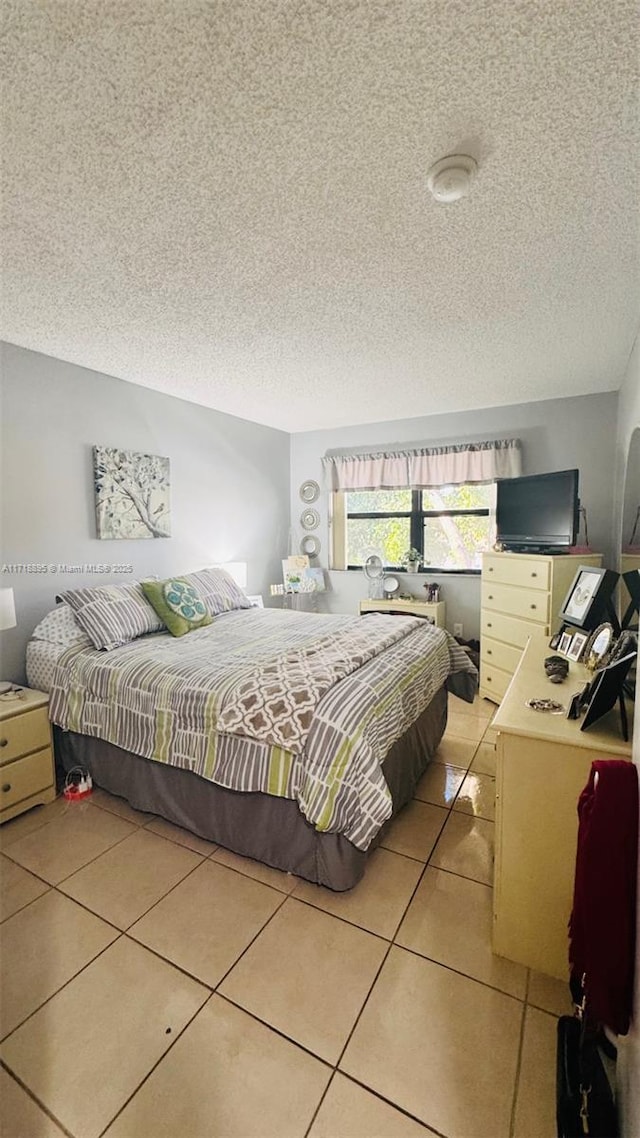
x: 132, y: 494
x: 299, y: 577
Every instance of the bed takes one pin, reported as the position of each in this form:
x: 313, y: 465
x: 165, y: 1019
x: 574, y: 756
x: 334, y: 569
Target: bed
x: 288, y: 737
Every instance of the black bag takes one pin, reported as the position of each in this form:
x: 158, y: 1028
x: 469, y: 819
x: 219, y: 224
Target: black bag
x: 584, y: 1100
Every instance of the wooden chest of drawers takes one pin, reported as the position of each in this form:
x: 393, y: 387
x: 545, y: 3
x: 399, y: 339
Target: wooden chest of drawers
x: 27, y: 776
x: 521, y: 594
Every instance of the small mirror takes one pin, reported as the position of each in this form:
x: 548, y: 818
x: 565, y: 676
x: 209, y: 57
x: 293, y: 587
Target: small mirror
x: 309, y: 491
x: 310, y: 545
x: 599, y: 646
x: 390, y: 586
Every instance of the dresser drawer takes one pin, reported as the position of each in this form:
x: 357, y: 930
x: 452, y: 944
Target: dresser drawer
x: 523, y: 603
x: 24, y: 777
x: 509, y: 629
x: 23, y: 733
x: 493, y: 681
x: 516, y: 570
x: 499, y: 655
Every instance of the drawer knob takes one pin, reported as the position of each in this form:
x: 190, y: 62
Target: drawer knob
x: 489, y: 652
x: 491, y: 568
x: 489, y: 624
x: 3, y: 742
x: 534, y: 606
x: 488, y: 679
x: 490, y: 597
x: 6, y: 786
x: 534, y: 574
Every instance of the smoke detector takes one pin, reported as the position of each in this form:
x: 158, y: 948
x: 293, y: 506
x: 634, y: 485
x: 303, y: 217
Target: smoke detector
x: 450, y: 178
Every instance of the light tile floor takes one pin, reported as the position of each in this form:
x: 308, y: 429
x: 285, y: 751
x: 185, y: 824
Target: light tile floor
x: 157, y: 986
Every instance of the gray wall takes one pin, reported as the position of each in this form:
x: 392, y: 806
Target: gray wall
x: 556, y: 434
x: 229, y: 484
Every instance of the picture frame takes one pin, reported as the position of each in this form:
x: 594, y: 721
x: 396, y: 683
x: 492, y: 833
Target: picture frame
x: 564, y: 644
x: 589, y: 597
x: 577, y: 646
x: 605, y: 690
x: 627, y: 642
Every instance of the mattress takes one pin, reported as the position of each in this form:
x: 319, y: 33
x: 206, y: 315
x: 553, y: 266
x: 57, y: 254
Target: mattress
x: 299, y: 706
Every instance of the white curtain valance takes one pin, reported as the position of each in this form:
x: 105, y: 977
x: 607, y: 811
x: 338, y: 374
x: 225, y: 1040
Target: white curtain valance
x: 433, y: 466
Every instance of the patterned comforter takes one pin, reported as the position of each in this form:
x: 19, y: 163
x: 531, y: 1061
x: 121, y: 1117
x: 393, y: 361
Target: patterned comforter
x: 293, y: 704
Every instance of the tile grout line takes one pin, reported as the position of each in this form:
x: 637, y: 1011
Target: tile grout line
x: 516, y: 1082
x: 62, y: 987
x: 276, y: 1030
x: 427, y: 1126
x: 27, y: 1090
x: 157, y: 1063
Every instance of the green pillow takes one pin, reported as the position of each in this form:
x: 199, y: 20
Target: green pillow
x: 178, y: 604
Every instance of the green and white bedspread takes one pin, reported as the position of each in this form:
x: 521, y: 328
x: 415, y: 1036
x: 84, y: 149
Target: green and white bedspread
x: 293, y: 704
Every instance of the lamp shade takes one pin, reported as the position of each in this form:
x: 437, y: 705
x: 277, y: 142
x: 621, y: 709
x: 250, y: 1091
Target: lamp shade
x: 7, y: 609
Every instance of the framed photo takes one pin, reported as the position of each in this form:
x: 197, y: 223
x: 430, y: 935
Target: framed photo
x: 605, y: 690
x: 589, y: 597
x: 577, y: 646
x: 627, y: 642
x: 564, y: 644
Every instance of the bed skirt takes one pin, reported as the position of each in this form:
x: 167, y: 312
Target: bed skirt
x: 260, y: 826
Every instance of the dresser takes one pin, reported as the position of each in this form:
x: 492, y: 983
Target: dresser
x: 543, y: 763
x: 521, y: 594
x: 27, y: 775
x: 434, y: 611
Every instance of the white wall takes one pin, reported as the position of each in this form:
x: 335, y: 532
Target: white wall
x: 556, y: 434
x: 229, y: 484
x: 629, y: 1050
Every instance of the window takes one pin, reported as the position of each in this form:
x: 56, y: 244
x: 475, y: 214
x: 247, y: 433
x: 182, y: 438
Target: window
x: 449, y: 525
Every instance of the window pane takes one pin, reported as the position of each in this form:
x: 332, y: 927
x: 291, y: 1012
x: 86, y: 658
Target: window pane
x: 472, y: 496
x: 382, y: 501
x: 456, y: 543
x: 388, y: 537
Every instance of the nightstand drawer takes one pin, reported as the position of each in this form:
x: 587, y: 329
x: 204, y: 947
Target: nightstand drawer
x: 24, y: 733
x: 516, y: 602
x: 25, y: 777
x: 516, y: 570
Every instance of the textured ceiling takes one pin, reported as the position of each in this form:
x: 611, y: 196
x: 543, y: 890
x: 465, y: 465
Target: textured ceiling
x: 227, y: 200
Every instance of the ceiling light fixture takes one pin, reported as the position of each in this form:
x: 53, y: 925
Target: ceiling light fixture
x: 450, y: 178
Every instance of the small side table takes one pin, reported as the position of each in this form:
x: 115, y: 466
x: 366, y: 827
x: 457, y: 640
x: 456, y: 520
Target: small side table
x: 27, y: 775
x: 433, y: 611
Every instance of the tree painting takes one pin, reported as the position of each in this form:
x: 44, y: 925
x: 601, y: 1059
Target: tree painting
x: 132, y: 494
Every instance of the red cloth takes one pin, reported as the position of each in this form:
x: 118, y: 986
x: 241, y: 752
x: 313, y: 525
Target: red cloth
x: 603, y: 920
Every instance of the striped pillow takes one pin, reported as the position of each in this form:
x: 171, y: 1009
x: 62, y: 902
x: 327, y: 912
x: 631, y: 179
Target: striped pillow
x: 218, y: 590
x: 112, y: 615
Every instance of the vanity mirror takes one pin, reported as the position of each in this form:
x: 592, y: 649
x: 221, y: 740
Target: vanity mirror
x: 599, y: 646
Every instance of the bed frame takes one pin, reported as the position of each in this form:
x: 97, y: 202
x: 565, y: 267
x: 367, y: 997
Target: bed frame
x: 256, y: 825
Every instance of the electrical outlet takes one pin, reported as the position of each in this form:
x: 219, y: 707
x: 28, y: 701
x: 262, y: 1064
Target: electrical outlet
x: 457, y: 629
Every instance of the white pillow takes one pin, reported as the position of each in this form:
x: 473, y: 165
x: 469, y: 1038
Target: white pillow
x: 61, y: 627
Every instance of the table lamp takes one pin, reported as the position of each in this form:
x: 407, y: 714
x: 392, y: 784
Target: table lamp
x: 7, y: 620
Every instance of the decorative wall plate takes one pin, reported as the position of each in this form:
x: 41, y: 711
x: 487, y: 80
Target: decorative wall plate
x: 310, y: 519
x: 310, y: 545
x: 309, y: 491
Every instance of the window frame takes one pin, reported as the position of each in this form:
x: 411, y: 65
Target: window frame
x: 340, y: 518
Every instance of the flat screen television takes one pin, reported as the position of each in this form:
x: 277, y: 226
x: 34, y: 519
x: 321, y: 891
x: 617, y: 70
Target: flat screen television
x: 538, y: 512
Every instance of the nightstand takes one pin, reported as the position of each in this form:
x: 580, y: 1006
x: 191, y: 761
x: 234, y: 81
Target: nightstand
x: 434, y: 611
x: 27, y: 776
